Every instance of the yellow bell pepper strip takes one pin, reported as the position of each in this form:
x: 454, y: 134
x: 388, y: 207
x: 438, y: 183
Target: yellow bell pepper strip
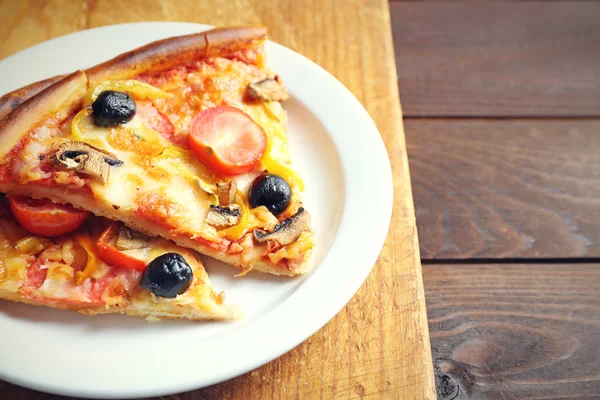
x: 90, y: 247
x: 278, y: 168
x: 137, y: 89
x: 237, y: 231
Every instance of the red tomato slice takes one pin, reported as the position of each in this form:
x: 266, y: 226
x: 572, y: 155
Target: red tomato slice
x: 45, y: 218
x: 109, y: 254
x: 227, y: 140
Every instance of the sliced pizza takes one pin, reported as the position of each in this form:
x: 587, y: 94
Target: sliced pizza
x: 183, y: 138
x: 100, y: 267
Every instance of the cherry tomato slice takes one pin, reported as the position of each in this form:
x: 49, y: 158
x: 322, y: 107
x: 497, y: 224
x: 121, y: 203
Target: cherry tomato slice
x: 227, y: 140
x: 109, y: 253
x: 45, y: 218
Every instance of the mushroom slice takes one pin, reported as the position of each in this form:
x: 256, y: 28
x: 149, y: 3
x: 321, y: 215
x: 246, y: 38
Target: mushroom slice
x: 89, y: 160
x: 287, y: 231
x: 129, y: 239
x: 226, y: 192
x: 225, y: 216
x: 267, y: 90
x: 208, y: 189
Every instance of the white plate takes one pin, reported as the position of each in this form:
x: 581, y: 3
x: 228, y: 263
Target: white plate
x: 341, y: 156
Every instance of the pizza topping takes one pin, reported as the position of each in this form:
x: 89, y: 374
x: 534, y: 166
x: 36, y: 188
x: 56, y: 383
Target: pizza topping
x: 226, y: 192
x: 73, y: 254
x: 227, y: 140
x: 32, y: 245
x: 88, y: 245
x: 267, y: 90
x: 84, y: 158
x: 167, y: 275
x: 287, y: 231
x: 155, y: 120
x: 45, y: 218
x: 294, y: 252
x: 137, y: 89
x: 224, y: 216
x: 273, y: 163
x: 113, y: 108
x: 129, y: 239
x: 237, y: 231
x: 271, y: 191
x: 109, y: 251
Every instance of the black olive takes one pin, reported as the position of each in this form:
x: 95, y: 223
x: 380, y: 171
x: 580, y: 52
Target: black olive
x: 271, y: 191
x: 113, y: 108
x: 167, y: 275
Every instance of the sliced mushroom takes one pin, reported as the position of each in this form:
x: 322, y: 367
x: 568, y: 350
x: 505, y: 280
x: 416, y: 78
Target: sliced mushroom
x: 226, y: 192
x: 208, y: 189
x: 224, y: 216
x: 129, y: 239
x: 89, y: 160
x: 267, y: 90
x: 287, y: 231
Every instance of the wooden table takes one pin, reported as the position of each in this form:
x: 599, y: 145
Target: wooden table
x: 502, y: 104
x: 378, y: 346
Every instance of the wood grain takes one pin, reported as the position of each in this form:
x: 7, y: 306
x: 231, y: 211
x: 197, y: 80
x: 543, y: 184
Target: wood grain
x: 506, y: 188
x: 377, y: 346
x: 517, y: 331
x: 499, y: 58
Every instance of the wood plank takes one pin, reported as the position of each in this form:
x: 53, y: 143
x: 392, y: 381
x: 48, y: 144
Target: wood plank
x: 362, y: 351
x: 498, y: 58
x: 516, y: 331
x: 506, y: 188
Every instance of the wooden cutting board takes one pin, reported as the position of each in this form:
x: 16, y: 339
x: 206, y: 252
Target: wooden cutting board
x: 378, y: 345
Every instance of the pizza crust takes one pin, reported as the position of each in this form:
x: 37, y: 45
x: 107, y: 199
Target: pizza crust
x: 59, y: 99
x: 168, y: 53
x: 155, y: 57
x: 148, y: 311
x: 11, y: 100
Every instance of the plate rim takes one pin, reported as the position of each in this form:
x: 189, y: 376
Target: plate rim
x: 352, y: 282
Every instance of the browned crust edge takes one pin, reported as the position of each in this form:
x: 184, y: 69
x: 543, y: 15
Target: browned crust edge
x: 152, y: 229
x: 228, y: 313
x: 11, y: 100
x: 167, y: 53
x: 153, y: 57
x: 58, y: 99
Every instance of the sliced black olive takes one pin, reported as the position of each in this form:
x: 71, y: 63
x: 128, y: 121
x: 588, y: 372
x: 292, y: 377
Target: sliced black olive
x: 112, y: 108
x: 113, y: 162
x: 271, y: 191
x: 167, y: 275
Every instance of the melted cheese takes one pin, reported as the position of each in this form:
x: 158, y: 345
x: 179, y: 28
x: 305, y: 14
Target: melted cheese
x: 164, y: 174
x: 13, y: 263
x: 58, y: 289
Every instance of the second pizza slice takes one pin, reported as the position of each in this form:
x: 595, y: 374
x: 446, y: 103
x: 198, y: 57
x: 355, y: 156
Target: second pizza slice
x: 182, y: 138
x: 56, y: 256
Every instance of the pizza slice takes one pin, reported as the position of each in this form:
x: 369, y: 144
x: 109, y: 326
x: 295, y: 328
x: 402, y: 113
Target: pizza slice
x: 101, y: 267
x: 183, y: 138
